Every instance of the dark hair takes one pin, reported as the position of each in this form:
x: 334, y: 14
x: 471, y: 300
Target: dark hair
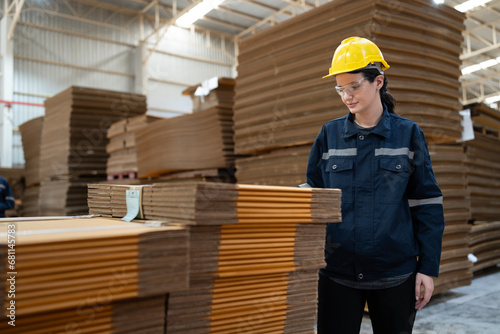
x: 385, y: 96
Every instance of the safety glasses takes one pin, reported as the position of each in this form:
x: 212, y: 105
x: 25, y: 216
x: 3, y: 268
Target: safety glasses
x: 351, y: 88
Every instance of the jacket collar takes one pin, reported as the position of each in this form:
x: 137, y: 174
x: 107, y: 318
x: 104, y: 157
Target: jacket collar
x: 383, y: 128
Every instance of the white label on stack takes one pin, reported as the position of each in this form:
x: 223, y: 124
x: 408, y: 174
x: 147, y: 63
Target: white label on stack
x: 133, y: 204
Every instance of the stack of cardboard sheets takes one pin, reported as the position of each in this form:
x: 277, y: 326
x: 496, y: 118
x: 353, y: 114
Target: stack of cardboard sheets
x: 216, y: 92
x: 214, y: 203
x: 483, y: 182
x: 80, y: 272
x: 259, y: 278
x: 138, y: 315
x: 73, y: 144
x: 483, y: 163
x: 109, y: 200
x: 484, y: 241
x: 448, y: 162
x: 197, y: 143
x: 202, y: 140
x: 282, y: 167
x: 483, y: 176
x: 31, y: 134
x: 121, y: 147
x: 281, y: 99
x: 254, y: 256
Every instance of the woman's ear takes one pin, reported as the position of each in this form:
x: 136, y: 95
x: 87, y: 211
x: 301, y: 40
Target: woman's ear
x: 380, y: 81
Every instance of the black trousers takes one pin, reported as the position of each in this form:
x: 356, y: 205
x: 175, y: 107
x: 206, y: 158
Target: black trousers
x: 340, y: 308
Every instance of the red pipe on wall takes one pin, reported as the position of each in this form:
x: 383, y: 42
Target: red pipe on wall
x: 10, y: 103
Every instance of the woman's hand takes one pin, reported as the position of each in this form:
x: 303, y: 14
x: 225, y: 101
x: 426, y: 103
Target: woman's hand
x: 428, y: 284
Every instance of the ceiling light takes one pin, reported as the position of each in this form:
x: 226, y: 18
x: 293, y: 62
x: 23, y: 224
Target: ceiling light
x: 438, y: 2
x: 471, y: 4
x: 197, y: 12
x: 480, y: 66
x: 492, y: 99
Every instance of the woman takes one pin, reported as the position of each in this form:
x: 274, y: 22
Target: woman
x: 387, y: 247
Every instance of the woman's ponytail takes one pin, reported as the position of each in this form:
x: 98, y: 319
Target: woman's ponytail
x: 387, y: 98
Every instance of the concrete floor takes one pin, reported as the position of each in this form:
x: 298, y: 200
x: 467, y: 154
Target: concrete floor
x: 472, y: 309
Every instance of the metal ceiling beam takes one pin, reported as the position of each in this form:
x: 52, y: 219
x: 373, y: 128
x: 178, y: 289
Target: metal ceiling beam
x: 472, y: 33
x: 477, y: 88
x: 151, y: 4
x: 72, y: 33
x: 160, y: 5
x: 81, y: 19
x: 165, y: 28
x: 261, y: 5
x: 223, y: 23
x: 482, y: 78
x: 300, y: 3
x: 133, y: 14
x: 107, y: 6
x: 272, y: 18
x: 237, y: 13
x: 477, y: 52
x: 18, y: 6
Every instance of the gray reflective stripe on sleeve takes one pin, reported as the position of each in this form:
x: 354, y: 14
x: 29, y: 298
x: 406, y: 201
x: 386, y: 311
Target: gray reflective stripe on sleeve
x: 346, y: 152
x: 394, y: 151
x: 304, y: 185
x: 417, y: 202
x: 10, y: 198
x: 2, y: 186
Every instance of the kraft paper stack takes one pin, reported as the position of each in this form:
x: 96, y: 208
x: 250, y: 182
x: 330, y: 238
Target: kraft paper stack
x: 200, y: 143
x: 448, y: 162
x: 202, y: 140
x: 31, y: 134
x: 109, y: 200
x: 250, y: 277
x: 483, y: 176
x: 140, y: 315
x: 281, y: 167
x: 222, y: 203
x: 73, y: 145
x: 214, y: 203
x: 261, y: 264
x: 121, y: 147
x: 484, y: 241
x: 483, y: 163
x: 66, y: 268
x: 483, y: 182
x: 255, y: 252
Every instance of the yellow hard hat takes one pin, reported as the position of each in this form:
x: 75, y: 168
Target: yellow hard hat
x: 355, y: 53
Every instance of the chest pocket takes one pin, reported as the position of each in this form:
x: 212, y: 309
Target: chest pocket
x: 394, y: 175
x: 340, y: 174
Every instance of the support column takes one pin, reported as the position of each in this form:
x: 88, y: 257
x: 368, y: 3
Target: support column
x: 6, y: 92
x: 141, y: 75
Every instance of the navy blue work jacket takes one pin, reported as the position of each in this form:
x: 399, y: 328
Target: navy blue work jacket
x: 392, y: 211
x: 6, y: 196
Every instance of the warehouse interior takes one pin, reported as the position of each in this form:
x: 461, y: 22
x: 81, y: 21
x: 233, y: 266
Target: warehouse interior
x: 177, y: 113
